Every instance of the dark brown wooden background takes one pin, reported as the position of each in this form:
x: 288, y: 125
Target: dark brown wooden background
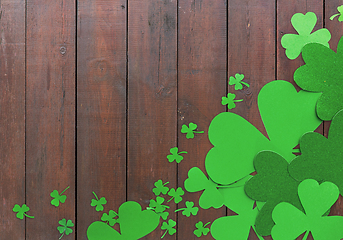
x: 93, y: 94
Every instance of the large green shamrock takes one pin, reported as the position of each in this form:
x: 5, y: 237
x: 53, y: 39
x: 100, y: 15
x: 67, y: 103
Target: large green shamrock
x: 321, y: 158
x: 229, y: 100
x: 316, y: 199
x: 272, y: 184
x: 340, y: 10
x: 237, y: 81
x: 304, y: 25
x: 323, y: 73
x: 201, y: 229
x: 58, y: 197
x: 169, y: 227
x: 21, y: 211
x: 98, y: 203
x: 189, y: 209
x: 176, y: 194
x: 175, y: 155
x: 110, y: 218
x: 160, y: 187
x: 190, y: 130
x: 65, y: 227
x: 286, y: 114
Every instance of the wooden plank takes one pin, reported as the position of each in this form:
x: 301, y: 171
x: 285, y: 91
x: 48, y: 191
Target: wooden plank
x: 50, y: 114
x: 12, y: 116
x: 152, y: 106
x: 101, y: 108
x: 202, y: 61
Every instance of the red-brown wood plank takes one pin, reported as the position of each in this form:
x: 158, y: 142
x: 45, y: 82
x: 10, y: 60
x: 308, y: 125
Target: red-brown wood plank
x: 50, y: 114
x: 152, y: 103
x: 101, y: 108
x: 202, y: 61
x: 12, y: 116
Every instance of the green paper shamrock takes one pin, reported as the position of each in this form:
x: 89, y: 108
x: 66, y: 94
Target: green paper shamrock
x: 58, y: 197
x: 237, y: 81
x: 340, y: 10
x: 229, y: 100
x: 190, y: 130
x: 157, y: 205
x: 163, y: 215
x: 65, y: 228
x: 323, y: 73
x: 316, y: 199
x: 176, y: 195
x: 175, y: 155
x: 304, y: 25
x: 21, y: 211
x: 168, y: 227
x: 201, y: 229
x: 189, y: 209
x: 98, y: 203
x: 160, y: 188
x: 110, y: 217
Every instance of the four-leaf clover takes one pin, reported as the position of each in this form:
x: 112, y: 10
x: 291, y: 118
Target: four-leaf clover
x: 190, y: 130
x: 58, y: 197
x: 201, y: 229
x: 237, y: 81
x: 65, y: 227
x: 98, y: 203
x: 176, y: 194
x: 160, y: 187
x: 21, y: 211
x: 340, y: 10
x: 229, y: 100
x: 110, y: 217
x: 169, y: 227
x: 175, y: 155
x: 189, y: 209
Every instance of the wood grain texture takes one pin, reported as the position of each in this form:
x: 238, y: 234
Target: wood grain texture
x: 12, y: 116
x: 50, y: 114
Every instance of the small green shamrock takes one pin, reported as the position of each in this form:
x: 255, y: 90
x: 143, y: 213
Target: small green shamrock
x: 176, y: 195
x: 237, y: 81
x: 201, y: 229
x: 58, y: 197
x: 189, y: 209
x: 229, y: 100
x: 110, y: 217
x: 21, y: 211
x: 168, y: 227
x: 175, y: 155
x: 340, y: 10
x: 157, y: 205
x: 190, y: 130
x: 163, y: 215
x: 160, y: 188
x: 65, y: 228
x: 98, y: 203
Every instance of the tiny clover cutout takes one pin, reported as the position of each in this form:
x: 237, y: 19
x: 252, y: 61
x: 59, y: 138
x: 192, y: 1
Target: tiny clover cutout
x: 189, y: 209
x: 157, y: 205
x: 65, y: 227
x: 340, y: 10
x: 201, y: 229
x: 21, y: 211
x: 175, y: 155
x: 229, y: 100
x: 57, y: 198
x: 98, y: 203
x: 110, y: 217
x: 169, y: 227
x: 176, y: 194
x: 237, y: 81
x: 190, y: 130
x: 160, y: 187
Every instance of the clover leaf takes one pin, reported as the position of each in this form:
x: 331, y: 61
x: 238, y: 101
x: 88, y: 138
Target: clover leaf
x: 110, y: 218
x: 21, y: 211
x: 190, y: 130
x: 340, y: 10
x: 304, y: 25
x: 290, y: 222
x: 176, y: 194
x: 229, y: 100
x: 157, y: 205
x: 163, y: 215
x: 58, y: 197
x: 98, y: 203
x: 65, y: 227
x: 189, y: 209
x: 237, y: 81
x: 201, y: 229
x: 175, y: 155
x: 160, y: 188
x: 168, y: 227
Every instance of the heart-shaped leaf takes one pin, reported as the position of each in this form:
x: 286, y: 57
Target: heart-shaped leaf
x: 102, y: 231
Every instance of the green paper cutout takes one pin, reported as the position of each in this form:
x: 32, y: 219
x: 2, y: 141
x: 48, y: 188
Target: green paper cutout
x: 169, y: 227
x: 316, y: 199
x: 201, y: 229
x: 229, y: 100
x: 304, y: 25
x: 157, y: 205
x: 110, y: 218
x: 237, y: 81
x: 58, y: 197
x: 98, y: 203
x: 272, y: 184
x: 321, y: 158
x: 176, y: 194
x: 163, y: 215
x: 323, y: 73
x: 65, y: 227
x: 160, y: 188
x: 134, y: 224
x: 236, y: 141
x: 175, y: 155
x: 189, y: 209
x: 190, y: 130
x: 21, y: 211
x: 340, y: 10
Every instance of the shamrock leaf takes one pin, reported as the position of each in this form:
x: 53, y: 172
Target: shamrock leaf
x: 98, y: 203
x: 229, y: 100
x: 160, y: 188
x: 323, y: 73
x: 304, y: 25
x: 316, y: 199
x: 201, y: 229
x: 65, y: 227
x: 340, y: 10
x: 110, y: 217
x: 57, y: 198
x: 168, y: 227
x: 176, y: 194
x: 175, y: 155
x: 190, y: 130
x: 163, y: 215
x: 21, y: 211
x: 157, y: 205
x: 189, y: 209
x: 237, y: 81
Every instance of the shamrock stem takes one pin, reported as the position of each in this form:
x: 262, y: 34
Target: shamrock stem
x: 238, y: 100
x: 62, y: 234
x: 28, y: 216
x: 180, y: 209
x: 96, y: 196
x: 207, y: 224
x: 150, y: 208
x: 259, y: 237
x: 297, y: 150
x: 64, y: 190
x: 333, y: 16
x: 170, y: 199
x: 306, y: 235
x: 198, y: 131
x: 182, y: 152
x: 246, y: 84
x: 165, y: 183
x: 164, y: 234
